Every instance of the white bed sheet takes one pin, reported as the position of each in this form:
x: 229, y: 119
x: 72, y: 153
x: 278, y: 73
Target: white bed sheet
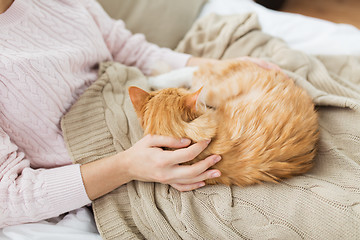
x: 311, y: 35
x: 76, y: 225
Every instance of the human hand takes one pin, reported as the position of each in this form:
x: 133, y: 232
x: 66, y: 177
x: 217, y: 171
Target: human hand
x: 147, y: 161
x: 196, y: 61
x: 261, y: 63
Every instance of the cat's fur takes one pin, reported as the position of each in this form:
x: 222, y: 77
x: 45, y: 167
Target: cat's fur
x: 264, y: 126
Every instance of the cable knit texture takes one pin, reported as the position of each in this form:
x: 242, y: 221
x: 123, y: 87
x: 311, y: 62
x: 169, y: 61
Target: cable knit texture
x: 49, y: 52
x: 321, y: 204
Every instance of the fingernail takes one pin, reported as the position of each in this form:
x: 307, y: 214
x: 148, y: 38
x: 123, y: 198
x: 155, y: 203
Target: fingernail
x: 201, y: 184
x: 216, y: 174
x: 208, y: 141
x: 185, y: 140
x: 217, y: 159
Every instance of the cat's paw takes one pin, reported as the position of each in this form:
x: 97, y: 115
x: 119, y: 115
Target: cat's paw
x: 176, y: 78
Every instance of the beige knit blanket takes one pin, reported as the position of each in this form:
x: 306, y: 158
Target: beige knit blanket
x: 323, y: 204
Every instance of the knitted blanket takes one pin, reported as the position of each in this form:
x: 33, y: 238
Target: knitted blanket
x: 322, y: 204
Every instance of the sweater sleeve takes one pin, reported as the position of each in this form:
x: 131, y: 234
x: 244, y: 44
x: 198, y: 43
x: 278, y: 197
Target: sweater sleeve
x: 131, y: 49
x: 29, y: 195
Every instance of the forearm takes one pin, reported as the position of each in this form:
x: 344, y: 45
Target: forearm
x: 102, y: 176
x: 30, y: 195
x: 40, y: 194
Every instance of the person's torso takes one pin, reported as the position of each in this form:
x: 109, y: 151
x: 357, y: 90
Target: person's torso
x: 48, y: 57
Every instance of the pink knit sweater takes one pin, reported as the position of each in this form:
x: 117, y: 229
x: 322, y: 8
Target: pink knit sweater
x: 49, y: 50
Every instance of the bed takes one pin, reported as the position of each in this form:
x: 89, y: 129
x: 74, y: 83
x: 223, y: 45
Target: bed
x: 310, y: 35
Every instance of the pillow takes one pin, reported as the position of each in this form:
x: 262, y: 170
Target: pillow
x: 163, y: 22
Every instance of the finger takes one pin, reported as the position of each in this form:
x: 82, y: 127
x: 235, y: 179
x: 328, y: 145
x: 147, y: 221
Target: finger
x: 261, y: 63
x: 198, y: 171
x: 189, y: 153
x: 213, y: 173
x: 243, y: 58
x: 273, y: 66
x: 187, y: 187
x: 165, y: 141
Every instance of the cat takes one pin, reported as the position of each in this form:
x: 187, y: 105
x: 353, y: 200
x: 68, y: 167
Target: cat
x: 263, y: 126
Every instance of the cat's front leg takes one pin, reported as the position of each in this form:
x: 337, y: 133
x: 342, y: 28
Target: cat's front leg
x: 176, y: 78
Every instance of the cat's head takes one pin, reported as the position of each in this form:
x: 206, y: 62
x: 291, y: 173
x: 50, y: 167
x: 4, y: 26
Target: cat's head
x: 165, y: 112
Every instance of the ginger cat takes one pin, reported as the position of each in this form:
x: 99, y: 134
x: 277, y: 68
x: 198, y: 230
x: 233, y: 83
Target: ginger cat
x: 264, y: 126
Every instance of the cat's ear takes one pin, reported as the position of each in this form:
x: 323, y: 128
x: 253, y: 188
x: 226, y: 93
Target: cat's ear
x: 138, y: 98
x: 191, y: 99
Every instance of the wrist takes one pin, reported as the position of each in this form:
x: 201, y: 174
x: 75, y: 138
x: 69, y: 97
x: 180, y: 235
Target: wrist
x: 104, y: 175
x: 191, y: 62
x: 195, y: 61
x: 123, y: 164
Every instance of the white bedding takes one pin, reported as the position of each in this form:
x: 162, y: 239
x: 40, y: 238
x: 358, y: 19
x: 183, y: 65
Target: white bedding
x: 307, y: 34
x: 76, y: 225
x: 311, y: 35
